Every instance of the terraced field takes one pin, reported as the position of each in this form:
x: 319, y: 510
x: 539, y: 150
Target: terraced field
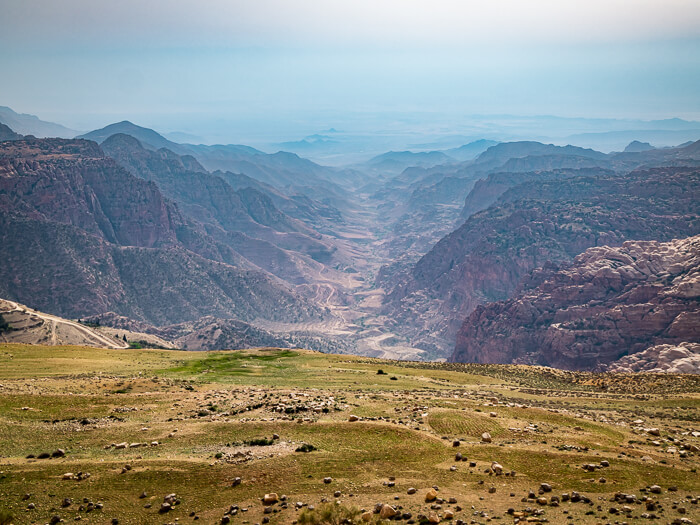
x: 222, y: 429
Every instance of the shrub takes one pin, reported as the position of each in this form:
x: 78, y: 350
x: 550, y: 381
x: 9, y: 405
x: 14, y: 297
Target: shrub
x: 259, y: 442
x: 381, y: 372
x: 329, y: 514
x: 4, y: 326
x: 306, y: 447
x: 6, y: 518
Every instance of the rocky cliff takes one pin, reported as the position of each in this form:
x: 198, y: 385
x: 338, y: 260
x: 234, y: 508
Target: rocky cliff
x: 607, y: 303
x: 79, y: 235
x: 531, y: 225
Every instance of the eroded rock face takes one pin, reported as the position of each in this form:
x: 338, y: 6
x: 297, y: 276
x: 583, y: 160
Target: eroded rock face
x: 683, y: 358
x: 532, y: 225
x: 608, y: 303
x: 80, y: 235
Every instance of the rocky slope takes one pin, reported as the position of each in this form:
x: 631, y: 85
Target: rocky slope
x: 531, y: 225
x: 20, y: 324
x: 79, y: 235
x: 608, y: 303
x: 6, y: 133
x: 246, y: 219
x: 487, y: 191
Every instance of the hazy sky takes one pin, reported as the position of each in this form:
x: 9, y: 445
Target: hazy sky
x: 296, y: 64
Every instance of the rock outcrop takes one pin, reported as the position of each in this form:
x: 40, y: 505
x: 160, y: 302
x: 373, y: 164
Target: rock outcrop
x: 683, y: 358
x: 534, y: 224
x: 608, y: 303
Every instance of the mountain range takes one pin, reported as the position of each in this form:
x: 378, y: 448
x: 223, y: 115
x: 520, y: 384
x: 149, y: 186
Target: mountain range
x: 412, y: 254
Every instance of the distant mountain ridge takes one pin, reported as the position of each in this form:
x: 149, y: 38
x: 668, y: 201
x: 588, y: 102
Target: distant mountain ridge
x: 26, y: 124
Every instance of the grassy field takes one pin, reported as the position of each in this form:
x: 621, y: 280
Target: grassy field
x: 219, y: 416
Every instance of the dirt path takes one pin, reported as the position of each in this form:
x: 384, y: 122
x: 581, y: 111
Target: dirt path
x: 55, y: 321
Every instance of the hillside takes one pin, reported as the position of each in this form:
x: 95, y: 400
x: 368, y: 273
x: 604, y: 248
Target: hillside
x: 529, y: 226
x: 607, y: 304
x: 147, y: 437
x: 100, y: 238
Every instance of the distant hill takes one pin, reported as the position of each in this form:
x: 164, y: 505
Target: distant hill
x: 397, y: 161
x: 147, y: 137
x: 7, y: 134
x: 470, y: 151
x: 635, y: 146
x: 32, y: 125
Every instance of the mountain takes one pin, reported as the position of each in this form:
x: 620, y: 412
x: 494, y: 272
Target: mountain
x: 398, y: 161
x: 246, y: 219
x: 32, y: 125
x: 7, y: 134
x: 607, y: 303
x: 531, y: 225
x: 147, y: 137
x: 618, y: 140
x: 635, y: 146
x: 80, y: 235
x: 496, y: 156
x: 487, y: 191
x: 470, y: 151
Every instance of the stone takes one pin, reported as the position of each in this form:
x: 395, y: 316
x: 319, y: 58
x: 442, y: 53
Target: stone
x: 271, y: 498
x: 497, y: 468
x: 433, y: 517
x: 411, y: 490
x: 353, y: 418
x: 327, y: 480
x: 386, y: 512
x: 486, y: 437
x: 431, y: 495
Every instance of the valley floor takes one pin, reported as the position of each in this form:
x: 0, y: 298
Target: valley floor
x: 131, y: 427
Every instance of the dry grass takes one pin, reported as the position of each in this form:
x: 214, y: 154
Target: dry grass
x: 202, y: 408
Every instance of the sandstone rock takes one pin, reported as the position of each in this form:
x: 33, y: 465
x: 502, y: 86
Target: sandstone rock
x: 609, y: 301
x: 386, y: 512
x: 271, y: 498
x: 486, y: 437
x: 431, y: 495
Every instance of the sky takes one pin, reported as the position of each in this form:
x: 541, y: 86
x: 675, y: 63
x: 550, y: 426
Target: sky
x: 290, y: 67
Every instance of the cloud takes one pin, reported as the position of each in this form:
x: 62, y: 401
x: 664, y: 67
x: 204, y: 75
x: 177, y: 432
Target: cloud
x: 343, y: 23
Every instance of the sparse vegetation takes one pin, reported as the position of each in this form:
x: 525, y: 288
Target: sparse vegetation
x: 329, y: 514
x: 338, y: 420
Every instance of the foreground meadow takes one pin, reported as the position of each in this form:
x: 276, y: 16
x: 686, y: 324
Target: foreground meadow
x: 151, y: 436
